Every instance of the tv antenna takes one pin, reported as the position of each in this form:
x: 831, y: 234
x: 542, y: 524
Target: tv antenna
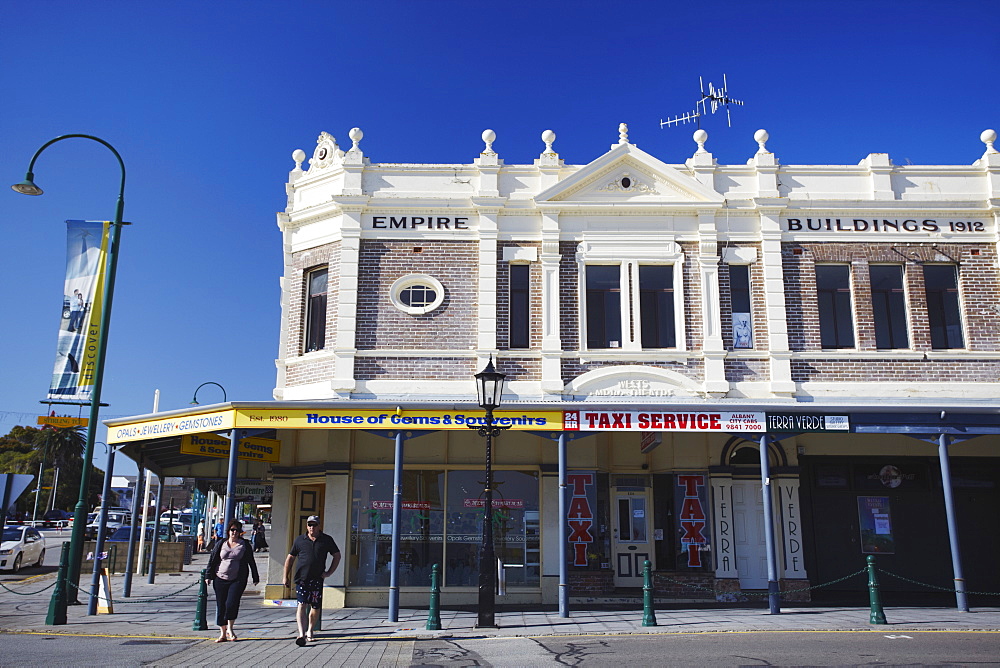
x: 711, y: 100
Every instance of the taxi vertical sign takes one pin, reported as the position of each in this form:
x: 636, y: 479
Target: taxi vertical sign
x: 80, y: 310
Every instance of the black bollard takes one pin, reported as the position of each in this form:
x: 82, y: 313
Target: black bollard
x: 200, y: 623
x: 874, y: 600
x: 648, y: 614
x: 434, y: 612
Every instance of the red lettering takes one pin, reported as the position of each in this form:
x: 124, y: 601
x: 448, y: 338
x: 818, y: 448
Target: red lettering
x: 579, y: 554
x: 617, y: 417
x: 694, y: 556
x: 714, y: 423
x: 581, y: 531
x: 579, y: 507
x: 579, y: 482
x: 604, y: 422
x: 692, y: 532
x: 692, y: 510
x: 668, y: 421
x: 590, y: 418
x: 643, y: 420
x: 691, y: 484
x: 702, y: 421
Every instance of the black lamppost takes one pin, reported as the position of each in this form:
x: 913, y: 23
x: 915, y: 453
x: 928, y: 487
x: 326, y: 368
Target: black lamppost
x: 28, y: 187
x: 489, y: 386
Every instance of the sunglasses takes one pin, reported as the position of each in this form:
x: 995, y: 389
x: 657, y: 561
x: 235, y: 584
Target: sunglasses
x: 311, y: 524
x: 235, y: 529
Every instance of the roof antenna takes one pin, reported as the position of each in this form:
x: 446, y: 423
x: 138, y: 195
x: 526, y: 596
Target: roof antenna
x: 714, y: 99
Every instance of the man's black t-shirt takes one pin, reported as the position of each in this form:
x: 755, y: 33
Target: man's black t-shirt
x: 312, y: 555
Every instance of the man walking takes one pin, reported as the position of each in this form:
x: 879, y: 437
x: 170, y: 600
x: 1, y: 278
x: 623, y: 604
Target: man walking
x: 311, y: 550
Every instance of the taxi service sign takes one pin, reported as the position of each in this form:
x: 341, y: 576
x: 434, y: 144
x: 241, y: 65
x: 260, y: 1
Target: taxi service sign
x: 210, y: 445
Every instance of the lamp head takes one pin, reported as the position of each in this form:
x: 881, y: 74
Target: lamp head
x: 489, y: 385
x: 27, y: 186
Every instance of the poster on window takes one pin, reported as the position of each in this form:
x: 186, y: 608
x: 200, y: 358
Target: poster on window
x: 742, y: 334
x: 581, y: 515
x: 875, y: 524
x: 79, y: 324
x: 691, y: 518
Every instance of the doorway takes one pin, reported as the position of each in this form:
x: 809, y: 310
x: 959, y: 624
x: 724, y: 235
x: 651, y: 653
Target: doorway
x: 748, y: 532
x: 631, y: 543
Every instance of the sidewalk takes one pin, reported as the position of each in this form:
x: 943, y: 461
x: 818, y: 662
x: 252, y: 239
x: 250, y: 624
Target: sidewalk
x: 152, y: 613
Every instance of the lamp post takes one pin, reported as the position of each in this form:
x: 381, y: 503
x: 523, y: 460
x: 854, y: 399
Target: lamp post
x: 28, y: 187
x: 194, y: 399
x: 489, y: 386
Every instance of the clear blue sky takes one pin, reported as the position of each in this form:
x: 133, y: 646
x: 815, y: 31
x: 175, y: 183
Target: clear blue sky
x: 206, y: 101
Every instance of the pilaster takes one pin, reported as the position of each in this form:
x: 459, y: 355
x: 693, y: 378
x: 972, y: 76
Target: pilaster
x: 551, y: 339
x: 774, y: 298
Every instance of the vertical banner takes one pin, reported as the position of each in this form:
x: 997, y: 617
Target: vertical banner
x: 691, y: 497
x: 77, y: 348
x: 581, y: 514
x: 875, y: 524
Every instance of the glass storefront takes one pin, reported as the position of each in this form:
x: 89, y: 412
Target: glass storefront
x: 450, y: 532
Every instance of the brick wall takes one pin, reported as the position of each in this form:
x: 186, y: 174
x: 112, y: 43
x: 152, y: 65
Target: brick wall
x: 408, y: 368
x: 296, y: 277
x: 453, y: 325
x: 758, y: 305
x: 503, y: 298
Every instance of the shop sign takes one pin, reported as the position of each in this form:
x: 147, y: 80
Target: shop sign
x: 580, y: 516
x: 62, y: 421
x: 406, y: 505
x: 643, y: 421
x: 187, y: 424
x: 254, y: 492
x: 347, y: 418
x: 875, y: 524
x: 884, y: 226
x: 497, y: 503
x: 649, y: 440
x: 806, y: 422
x: 253, y: 449
x: 691, y: 496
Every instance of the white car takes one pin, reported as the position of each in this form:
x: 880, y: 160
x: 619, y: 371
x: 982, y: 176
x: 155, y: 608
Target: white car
x: 21, y: 546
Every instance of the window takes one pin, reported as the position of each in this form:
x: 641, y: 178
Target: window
x: 889, y: 307
x: 316, y: 310
x: 656, y: 306
x: 416, y: 294
x: 739, y: 298
x: 943, y: 314
x: 833, y: 288
x: 631, y: 306
x: 604, y: 320
x: 519, y: 316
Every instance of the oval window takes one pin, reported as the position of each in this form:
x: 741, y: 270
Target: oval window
x: 626, y: 182
x: 417, y: 294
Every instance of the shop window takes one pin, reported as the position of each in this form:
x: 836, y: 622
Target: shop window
x: 739, y: 299
x: 421, y: 532
x: 516, y: 530
x: 889, y: 307
x: 519, y: 304
x: 833, y: 291
x: 316, y: 290
x: 943, y: 313
x: 649, y: 319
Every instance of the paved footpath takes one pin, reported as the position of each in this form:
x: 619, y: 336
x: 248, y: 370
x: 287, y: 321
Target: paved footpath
x: 363, y: 636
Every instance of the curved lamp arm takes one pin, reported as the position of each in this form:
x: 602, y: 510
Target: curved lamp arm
x: 194, y: 399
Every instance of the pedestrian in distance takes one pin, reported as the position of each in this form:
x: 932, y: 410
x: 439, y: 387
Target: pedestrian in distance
x: 201, y: 536
x: 229, y: 566
x: 259, y: 538
x: 311, y: 550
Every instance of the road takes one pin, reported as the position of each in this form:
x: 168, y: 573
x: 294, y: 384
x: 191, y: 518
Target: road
x: 920, y: 648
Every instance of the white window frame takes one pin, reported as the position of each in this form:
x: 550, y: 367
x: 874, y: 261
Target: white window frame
x: 409, y: 281
x: 629, y: 252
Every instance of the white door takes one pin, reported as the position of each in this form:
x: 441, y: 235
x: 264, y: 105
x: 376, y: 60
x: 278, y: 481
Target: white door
x: 631, y: 544
x: 748, y: 531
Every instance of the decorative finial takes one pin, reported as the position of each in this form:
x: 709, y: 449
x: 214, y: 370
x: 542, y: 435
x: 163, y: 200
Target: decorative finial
x: 622, y: 133
x: 489, y: 137
x: 761, y: 138
x: 700, y: 137
x: 988, y: 137
x: 548, y: 137
x: 299, y: 156
x: 356, y: 136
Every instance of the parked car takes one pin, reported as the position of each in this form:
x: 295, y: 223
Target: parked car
x: 123, y: 534
x: 56, y: 518
x: 115, y: 522
x: 21, y: 545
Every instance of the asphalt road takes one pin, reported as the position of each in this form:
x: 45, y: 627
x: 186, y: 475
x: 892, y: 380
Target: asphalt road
x: 687, y: 649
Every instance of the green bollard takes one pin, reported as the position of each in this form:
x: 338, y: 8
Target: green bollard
x: 434, y: 612
x: 58, y: 602
x: 648, y: 615
x: 200, y: 623
x: 875, y: 601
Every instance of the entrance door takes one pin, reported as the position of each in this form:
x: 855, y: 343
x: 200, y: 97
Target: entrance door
x: 631, y: 542
x: 308, y: 501
x: 748, y: 531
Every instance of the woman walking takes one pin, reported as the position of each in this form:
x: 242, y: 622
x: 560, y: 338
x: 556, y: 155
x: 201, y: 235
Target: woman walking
x: 259, y: 539
x: 229, y: 567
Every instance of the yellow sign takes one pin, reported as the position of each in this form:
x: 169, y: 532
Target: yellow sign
x: 346, y: 418
x: 62, y: 421
x: 174, y: 426
x: 210, y: 445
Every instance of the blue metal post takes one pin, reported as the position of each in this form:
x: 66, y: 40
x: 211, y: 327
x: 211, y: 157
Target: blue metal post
x: 773, y: 588
x: 234, y: 451
x: 134, y: 533
x: 563, y: 530
x: 156, y: 531
x: 102, y: 525
x: 949, y: 509
x: 397, y: 511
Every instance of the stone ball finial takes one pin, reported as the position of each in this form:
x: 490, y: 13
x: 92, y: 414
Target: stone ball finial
x: 356, y: 136
x: 622, y: 133
x: 549, y: 138
x: 700, y: 137
x: 299, y: 156
x: 488, y: 138
x: 761, y: 138
x: 988, y: 137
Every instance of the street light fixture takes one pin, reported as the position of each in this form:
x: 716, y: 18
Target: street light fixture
x: 194, y: 399
x: 28, y: 187
x: 489, y: 387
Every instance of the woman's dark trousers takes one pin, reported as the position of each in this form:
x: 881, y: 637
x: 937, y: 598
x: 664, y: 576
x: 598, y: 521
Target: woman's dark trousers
x: 227, y: 599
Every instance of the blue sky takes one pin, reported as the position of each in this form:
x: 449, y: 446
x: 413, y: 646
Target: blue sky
x: 206, y: 101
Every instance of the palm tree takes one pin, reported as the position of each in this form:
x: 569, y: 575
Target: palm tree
x: 64, y: 447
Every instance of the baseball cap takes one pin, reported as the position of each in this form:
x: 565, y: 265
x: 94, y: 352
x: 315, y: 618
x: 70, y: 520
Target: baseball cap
x: 312, y: 518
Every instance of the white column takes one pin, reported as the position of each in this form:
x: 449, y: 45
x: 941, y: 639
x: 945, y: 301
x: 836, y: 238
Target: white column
x: 551, y: 335
x: 711, y: 314
x: 344, y: 349
x: 486, y: 317
x: 774, y: 302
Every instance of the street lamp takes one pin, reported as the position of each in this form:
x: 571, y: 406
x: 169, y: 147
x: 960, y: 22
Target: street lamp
x: 194, y: 399
x: 28, y: 187
x: 489, y: 387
